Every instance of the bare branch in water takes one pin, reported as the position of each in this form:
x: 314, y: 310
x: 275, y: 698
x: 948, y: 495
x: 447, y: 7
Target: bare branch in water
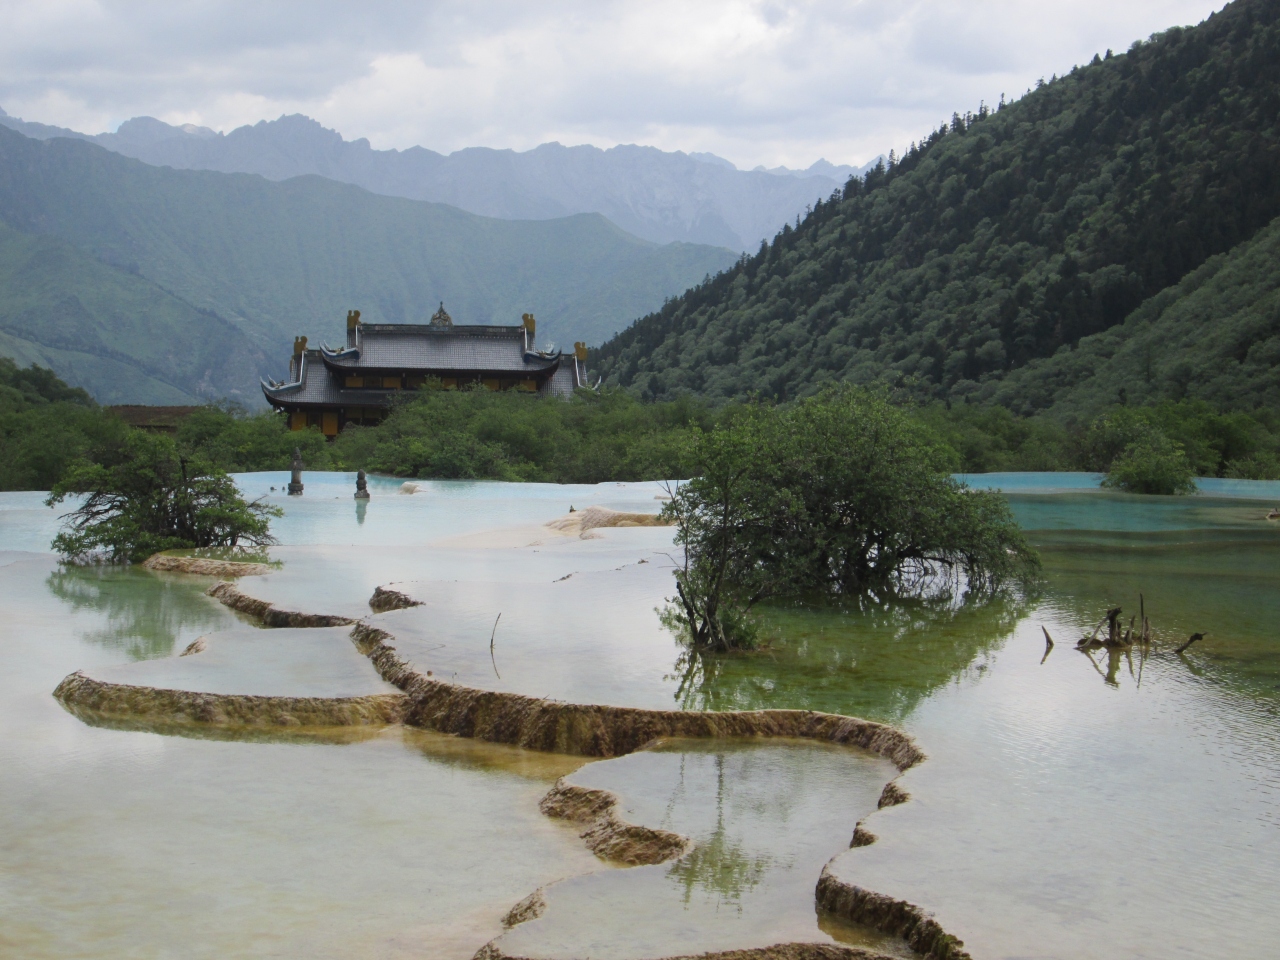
x: 492, y: 634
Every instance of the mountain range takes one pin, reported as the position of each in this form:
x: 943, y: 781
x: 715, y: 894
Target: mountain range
x: 147, y: 284
x: 662, y: 197
x: 1110, y: 236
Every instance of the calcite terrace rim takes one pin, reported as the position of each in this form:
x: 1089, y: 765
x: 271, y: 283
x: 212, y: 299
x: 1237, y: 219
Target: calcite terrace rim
x: 80, y: 692
x: 592, y: 730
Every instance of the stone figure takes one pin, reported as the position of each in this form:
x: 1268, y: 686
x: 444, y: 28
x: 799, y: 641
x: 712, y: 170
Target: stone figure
x: 362, y: 486
x: 295, y: 476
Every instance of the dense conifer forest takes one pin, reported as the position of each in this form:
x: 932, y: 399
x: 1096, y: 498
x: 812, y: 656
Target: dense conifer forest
x: 1004, y: 237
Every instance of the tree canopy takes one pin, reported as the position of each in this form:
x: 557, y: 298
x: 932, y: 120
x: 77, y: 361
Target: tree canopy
x: 836, y: 496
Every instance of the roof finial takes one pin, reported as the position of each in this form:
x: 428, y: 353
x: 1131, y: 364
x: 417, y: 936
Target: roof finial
x: 441, y: 317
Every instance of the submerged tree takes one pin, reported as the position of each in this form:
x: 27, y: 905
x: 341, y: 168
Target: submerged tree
x: 154, y: 499
x: 840, y: 495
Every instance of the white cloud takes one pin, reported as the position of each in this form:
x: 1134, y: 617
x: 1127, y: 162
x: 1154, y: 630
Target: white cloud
x: 757, y: 81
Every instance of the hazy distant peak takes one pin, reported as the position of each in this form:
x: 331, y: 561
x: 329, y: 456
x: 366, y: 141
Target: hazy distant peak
x: 821, y: 168
x: 149, y: 130
x: 711, y: 158
x: 661, y: 196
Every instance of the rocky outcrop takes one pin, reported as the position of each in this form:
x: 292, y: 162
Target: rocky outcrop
x: 606, y: 835
x: 384, y: 600
x: 601, y: 731
x: 580, y: 522
x: 892, y: 795
x: 781, y: 951
x: 205, y: 567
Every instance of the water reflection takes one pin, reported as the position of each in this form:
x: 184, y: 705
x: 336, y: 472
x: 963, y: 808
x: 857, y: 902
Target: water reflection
x: 719, y: 864
x: 763, y: 818
x: 1224, y: 583
x: 362, y: 507
x: 465, y: 753
x: 140, y: 613
x: 871, y: 659
x: 333, y: 736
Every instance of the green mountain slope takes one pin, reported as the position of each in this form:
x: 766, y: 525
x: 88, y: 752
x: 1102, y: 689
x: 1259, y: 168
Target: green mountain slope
x: 119, y: 336
x: 279, y: 259
x: 1213, y: 336
x: 1004, y: 237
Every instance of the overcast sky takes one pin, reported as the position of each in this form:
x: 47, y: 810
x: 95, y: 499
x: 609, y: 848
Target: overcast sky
x: 769, y: 82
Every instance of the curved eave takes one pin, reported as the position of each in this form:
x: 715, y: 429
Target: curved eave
x: 345, y: 353
x: 271, y: 391
x: 341, y: 398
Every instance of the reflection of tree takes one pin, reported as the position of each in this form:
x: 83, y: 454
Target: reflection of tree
x: 144, y: 613
x: 872, y: 658
x: 718, y: 864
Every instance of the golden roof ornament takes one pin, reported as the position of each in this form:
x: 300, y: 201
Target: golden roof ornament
x: 441, y: 317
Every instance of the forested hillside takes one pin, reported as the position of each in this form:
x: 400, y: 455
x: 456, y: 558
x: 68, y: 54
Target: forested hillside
x: 1213, y: 336
x: 210, y: 275
x: 1003, y: 237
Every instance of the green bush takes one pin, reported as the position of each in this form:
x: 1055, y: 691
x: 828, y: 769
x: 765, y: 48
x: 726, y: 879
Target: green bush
x: 151, y: 499
x: 1152, y: 464
x: 835, y: 496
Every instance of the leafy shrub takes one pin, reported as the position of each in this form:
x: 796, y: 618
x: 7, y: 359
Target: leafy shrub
x: 1152, y: 464
x: 154, y: 499
x: 839, y: 495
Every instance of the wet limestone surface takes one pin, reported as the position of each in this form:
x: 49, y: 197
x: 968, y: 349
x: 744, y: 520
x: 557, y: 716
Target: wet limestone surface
x: 763, y: 817
x: 250, y: 661
x: 339, y: 579
x: 375, y: 843
x: 594, y: 637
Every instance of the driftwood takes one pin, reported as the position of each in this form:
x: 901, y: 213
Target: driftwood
x: 1048, y: 644
x: 1139, y: 631
x: 1115, y: 639
x: 1193, y: 638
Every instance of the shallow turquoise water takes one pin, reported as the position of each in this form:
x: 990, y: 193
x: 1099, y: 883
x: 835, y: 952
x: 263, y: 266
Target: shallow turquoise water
x: 1125, y: 806
x: 122, y: 843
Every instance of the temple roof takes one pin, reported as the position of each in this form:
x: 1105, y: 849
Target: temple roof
x: 439, y: 349
x: 471, y: 353
x: 316, y: 386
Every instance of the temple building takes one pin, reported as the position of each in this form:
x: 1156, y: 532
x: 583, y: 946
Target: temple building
x: 356, y: 384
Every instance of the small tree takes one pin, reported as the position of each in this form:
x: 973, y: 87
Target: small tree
x: 1152, y: 464
x: 154, y: 499
x: 837, y: 496
x: 1136, y: 454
